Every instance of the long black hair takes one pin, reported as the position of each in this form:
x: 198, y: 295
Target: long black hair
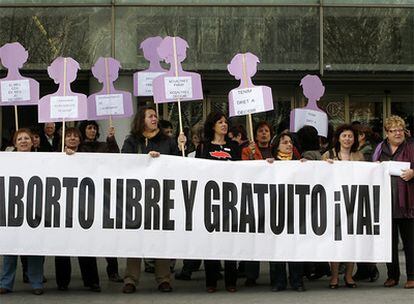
x: 308, y: 139
x: 211, y: 120
x: 84, y: 124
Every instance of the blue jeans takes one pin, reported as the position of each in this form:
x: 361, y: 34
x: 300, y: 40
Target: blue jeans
x: 34, y: 271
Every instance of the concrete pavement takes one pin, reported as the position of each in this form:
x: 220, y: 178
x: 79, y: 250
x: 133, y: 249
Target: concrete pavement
x: 194, y: 291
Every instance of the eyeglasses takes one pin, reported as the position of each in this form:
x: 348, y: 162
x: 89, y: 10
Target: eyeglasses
x: 394, y: 131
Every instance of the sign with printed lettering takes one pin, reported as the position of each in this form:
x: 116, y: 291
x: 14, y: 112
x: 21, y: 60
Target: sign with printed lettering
x: 63, y: 105
x: 316, y: 119
x: 143, y: 79
x: 176, y: 84
x: 247, y: 98
x: 291, y: 211
x: 311, y: 115
x: 178, y: 87
x: 14, y: 88
x: 109, y: 102
x: 144, y: 83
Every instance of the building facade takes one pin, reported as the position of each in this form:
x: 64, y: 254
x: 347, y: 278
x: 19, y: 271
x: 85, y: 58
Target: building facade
x: 362, y: 50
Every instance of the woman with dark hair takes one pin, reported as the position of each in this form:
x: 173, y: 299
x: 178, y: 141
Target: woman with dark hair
x: 258, y: 150
x: 365, y: 136
x: 87, y: 265
x: 309, y: 142
x: 89, y: 130
x: 283, y: 150
x: 365, y: 271
x: 218, y: 146
x: 36, y: 134
x: 147, y: 138
x: 345, y: 148
x: 396, y: 147
x: 22, y: 141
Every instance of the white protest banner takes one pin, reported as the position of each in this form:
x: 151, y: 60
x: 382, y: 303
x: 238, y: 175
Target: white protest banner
x: 15, y: 90
x: 171, y: 207
x: 145, y: 80
x: 63, y: 107
x: 248, y: 101
x: 396, y: 167
x: 178, y: 87
x: 109, y: 104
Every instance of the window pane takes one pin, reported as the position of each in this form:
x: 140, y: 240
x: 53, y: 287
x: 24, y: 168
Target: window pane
x: 81, y: 33
x: 367, y: 110
x: 334, y: 106
x: 357, y: 39
x: 284, y: 38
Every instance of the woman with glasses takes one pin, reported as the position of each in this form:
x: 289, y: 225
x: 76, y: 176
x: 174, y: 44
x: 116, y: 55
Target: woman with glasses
x: 395, y: 147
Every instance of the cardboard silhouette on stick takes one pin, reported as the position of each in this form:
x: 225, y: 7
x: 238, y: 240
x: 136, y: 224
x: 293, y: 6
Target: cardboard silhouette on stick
x: 247, y: 98
x: 14, y: 88
x: 311, y: 114
x: 176, y: 85
x: 108, y: 103
x: 143, y: 79
x: 63, y: 105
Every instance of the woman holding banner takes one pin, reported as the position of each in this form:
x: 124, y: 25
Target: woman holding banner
x: 146, y: 138
x: 258, y: 150
x: 310, y: 147
x: 88, y: 265
x: 345, y: 149
x: 90, y: 133
x: 22, y: 141
x: 283, y: 150
x: 218, y: 146
x: 396, y: 147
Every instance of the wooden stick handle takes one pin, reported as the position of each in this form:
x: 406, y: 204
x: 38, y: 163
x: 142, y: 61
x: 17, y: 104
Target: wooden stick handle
x: 181, y: 125
x: 249, y: 116
x: 63, y: 135
x: 251, y: 135
x: 16, y: 117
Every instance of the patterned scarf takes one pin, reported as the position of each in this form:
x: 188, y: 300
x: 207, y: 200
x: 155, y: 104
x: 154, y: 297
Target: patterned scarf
x: 284, y: 156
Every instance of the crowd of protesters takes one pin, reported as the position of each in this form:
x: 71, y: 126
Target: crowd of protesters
x: 217, y: 140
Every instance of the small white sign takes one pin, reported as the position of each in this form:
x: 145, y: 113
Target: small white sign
x: 395, y: 167
x: 248, y: 101
x: 64, y: 107
x: 111, y: 104
x: 178, y: 87
x: 306, y: 117
x: 15, y: 90
x: 145, y: 80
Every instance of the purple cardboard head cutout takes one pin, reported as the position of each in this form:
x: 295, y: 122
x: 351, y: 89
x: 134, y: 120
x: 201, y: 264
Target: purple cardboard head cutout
x: 16, y: 89
x: 143, y: 79
x: 63, y: 105
x: 176, y: 84
x: 311, y: 114
x: 247, y: 98
x: 313, y: 89
x: 109, y: 102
